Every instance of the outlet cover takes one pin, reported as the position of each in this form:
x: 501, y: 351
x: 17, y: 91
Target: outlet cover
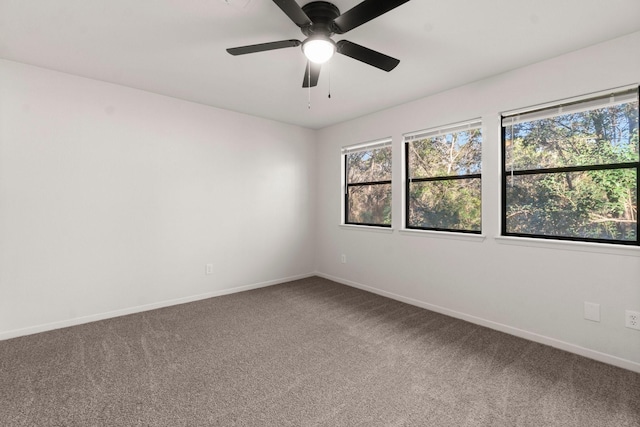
x: 209, y: 269
x: 343, y: 258
x: 592, y: 311
x: 632, y: 319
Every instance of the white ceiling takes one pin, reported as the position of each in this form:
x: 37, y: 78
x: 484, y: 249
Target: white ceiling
x: 177, y: 48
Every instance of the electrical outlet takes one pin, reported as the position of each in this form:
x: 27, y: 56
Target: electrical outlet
x: 343, y: 259
x: 209, y: 269
x: 632, y: 319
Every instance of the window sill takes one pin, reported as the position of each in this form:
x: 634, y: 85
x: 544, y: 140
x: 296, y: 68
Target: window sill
x: 373, y: 228
x: 469, y: 237
x: 602, y: 248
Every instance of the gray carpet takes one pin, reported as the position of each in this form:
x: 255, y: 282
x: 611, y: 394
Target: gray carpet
x: 305, y: 353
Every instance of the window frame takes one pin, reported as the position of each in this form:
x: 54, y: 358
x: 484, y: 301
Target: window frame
x: 505, y: 174
x: 430, y: 133
x: 345, y: 151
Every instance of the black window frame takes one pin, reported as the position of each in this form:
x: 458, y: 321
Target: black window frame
x: 380, y: 144
x: 458, y: 127
x: 505, y: 174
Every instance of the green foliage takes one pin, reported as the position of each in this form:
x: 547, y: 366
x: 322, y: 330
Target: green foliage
x: 599, y: 204
x: 369, y: 165
x: 452, y: 204
x: 369, y: 204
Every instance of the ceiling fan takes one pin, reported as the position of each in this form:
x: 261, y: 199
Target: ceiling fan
x: 318, y: 21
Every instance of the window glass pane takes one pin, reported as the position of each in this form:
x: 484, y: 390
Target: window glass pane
x: 369, y: 165
x: 594, y: 137
x: 369, y: 204
x: 452, y: 154
x: 589, y: 204
x: 452, y: 204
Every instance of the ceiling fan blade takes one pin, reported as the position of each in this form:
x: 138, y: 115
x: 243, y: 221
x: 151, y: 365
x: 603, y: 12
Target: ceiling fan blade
x: 364, y: 12
x: 366, y: 55
x: 294, y: 12
x: 243, y: 50
x: 315, y: 74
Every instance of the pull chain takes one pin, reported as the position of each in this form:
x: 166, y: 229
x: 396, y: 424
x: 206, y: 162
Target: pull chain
x: 329, y: 72
x: 309, y: 81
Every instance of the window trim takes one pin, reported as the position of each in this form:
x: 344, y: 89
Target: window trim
x: 430, y: 133
x: 345, y: 151
x: 617, y: 96
x: 565, y: 245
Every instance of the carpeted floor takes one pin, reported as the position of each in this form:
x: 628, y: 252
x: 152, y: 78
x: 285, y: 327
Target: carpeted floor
x: 305, y: 353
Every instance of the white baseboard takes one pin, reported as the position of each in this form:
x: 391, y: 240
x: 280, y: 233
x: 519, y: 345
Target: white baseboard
x: 138, y: 309
x: 531, y: 336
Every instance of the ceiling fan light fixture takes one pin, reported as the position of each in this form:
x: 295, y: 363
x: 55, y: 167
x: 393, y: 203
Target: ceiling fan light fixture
x: 319, y: 20
x: 318, y: 49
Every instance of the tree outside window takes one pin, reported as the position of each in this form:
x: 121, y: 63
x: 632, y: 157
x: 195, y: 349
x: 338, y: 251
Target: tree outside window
x: 368, y: 185
x: 443, y: 169
x: 572, y: 172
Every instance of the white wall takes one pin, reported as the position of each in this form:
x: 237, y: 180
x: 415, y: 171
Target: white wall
x: 113, y: 200
x: 528, y: 289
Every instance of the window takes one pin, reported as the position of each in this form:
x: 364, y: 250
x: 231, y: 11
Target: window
x: 367, y: 192
x: 570, y: 171
x: 443, y: 187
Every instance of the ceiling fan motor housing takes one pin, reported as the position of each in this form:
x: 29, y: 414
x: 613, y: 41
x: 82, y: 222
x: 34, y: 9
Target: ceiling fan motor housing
x: 318, y: 21
x: 322, y: 14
